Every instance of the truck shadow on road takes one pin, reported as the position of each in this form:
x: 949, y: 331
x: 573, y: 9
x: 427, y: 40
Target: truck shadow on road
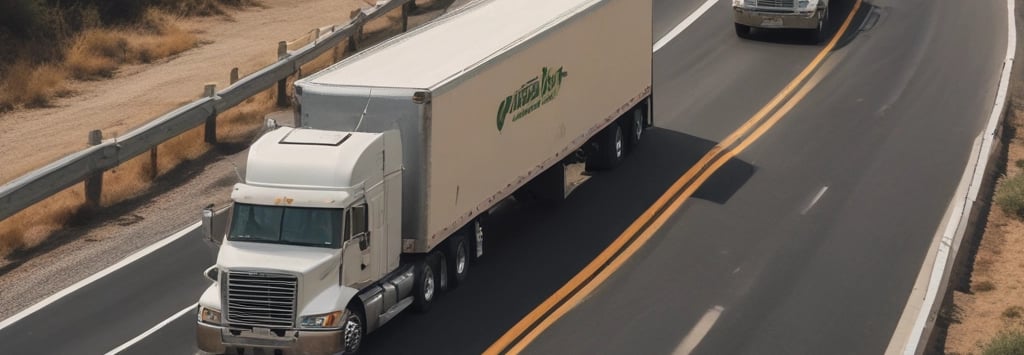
x: 532, y: 250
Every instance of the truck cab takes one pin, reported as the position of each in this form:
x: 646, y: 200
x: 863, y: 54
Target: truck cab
x: 772, y: 14
x: 308, y: 232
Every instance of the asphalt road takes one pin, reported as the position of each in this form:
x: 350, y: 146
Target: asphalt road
x: 887, y: 129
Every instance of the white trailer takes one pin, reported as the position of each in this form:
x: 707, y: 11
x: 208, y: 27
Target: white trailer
x: 376, y: 201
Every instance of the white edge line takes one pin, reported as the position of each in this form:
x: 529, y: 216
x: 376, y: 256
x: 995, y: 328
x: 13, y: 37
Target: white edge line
x: 699, y: 331
x: 815, y: 200
x: 110, y: 269
x: 683, y: 25
x: 154, y: 329
x: 939, y: 268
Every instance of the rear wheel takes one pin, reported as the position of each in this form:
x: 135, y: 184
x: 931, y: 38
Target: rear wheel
x: 458, y: 259
x: 818, y: 34
x: 636, y: 127
x: 610, y: 148
x: 743, y: 31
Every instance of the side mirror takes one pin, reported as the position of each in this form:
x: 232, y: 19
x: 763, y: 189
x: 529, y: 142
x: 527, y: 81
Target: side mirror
x: 271, y: 124
x: 207, y: 225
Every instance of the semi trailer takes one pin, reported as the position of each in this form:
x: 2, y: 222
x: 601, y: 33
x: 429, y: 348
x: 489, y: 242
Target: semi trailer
x: 376, y: 200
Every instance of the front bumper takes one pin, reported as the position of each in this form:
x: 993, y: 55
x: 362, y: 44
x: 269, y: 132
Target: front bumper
x: 768, y: 19
x: 216, y: 339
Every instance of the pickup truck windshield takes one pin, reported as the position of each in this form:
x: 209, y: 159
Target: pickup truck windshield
x: 317, y: 227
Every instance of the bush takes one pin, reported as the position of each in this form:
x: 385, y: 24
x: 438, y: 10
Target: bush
x: 984, y: 286
x: 1010, y: 195
x: 20, y: 16
x: 1013, y: 312
x: 1006, y: 343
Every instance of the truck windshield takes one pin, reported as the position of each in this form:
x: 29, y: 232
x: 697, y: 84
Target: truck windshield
x: 316, y: 227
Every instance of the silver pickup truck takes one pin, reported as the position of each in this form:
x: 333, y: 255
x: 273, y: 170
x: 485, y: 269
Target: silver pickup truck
x: 797, y: 14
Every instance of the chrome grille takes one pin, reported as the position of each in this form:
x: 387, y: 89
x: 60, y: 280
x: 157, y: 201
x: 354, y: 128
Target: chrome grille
x: 776, y: 3
x: 259, y: 299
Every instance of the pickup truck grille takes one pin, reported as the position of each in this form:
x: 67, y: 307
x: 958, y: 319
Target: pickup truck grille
x: 257, y: 299
x: 789, y: 4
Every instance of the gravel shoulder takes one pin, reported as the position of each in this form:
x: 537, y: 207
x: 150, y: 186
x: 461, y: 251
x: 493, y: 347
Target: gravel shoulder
x: 31, y: 138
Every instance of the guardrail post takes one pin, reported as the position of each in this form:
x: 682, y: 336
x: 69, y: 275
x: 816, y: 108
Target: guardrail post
x: 234, y: 75
x: 153, y: 171
x: 94, y: 183
x: 353, y: 40
x: 406, y: 10
x: 210, y: 134
x: 282, y: 85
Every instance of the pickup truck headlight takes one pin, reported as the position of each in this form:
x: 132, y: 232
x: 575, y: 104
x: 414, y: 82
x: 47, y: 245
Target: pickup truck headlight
x: 326, y: 320
x: 738, y: 3
x: 209, y: 315
x: 807, y: 4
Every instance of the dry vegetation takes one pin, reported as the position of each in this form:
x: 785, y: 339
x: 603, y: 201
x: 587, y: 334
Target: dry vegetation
x: 987, y: 319
x: 95, y: 54
x: 56, y: 41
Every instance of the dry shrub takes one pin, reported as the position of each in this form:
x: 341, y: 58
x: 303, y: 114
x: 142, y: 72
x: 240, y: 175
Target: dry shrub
x: 31, y: 226
x: 31, y: 86
x: 96, y: 53
x: 1010, y: 195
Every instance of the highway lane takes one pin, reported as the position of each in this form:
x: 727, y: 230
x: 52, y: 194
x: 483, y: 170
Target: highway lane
x: 817, y: 251
x: 117, y: 308
x: 537, y: 249
x: 106, y: 313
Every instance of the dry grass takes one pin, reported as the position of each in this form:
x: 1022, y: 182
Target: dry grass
x: 32, y: 86
x: 97, y: 53
x: 31, y: 226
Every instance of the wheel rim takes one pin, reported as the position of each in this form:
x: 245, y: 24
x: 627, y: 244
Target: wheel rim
x: 618, y: 142
x: 428, y: 284
x: 460, y: 259
x: 353, y: 332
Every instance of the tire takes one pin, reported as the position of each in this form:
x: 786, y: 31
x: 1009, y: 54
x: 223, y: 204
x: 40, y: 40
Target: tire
x: 818, y: 34
x: 742, y: 31
x: 424, y: 284
x: 610, y: 148
x: 354, y: 330
x: 636, y: 127
x: 458, y: 260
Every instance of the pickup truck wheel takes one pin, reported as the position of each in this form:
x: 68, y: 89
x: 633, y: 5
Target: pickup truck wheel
x: 458, y: 260
x: 818, y: 34
x: 742, y: 31
x: 355, y: 330
x: 425, y: 284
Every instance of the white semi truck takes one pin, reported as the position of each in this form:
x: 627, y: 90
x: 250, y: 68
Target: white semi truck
x: 375, y: 202
x: 770, y: 14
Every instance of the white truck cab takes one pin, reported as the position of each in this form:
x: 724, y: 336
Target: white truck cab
x: 312, y: 212
x: 771, y: 14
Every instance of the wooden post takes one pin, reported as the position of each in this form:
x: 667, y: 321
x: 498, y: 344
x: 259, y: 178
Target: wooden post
x: 282, y: 85
x: 353, y: 40
x: 210, y: 134
x: 94, y: 183
x: 234, y: 75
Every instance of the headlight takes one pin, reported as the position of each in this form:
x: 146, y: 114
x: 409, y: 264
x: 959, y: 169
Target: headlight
x: 806, y: 4
x: 327, y: 320
x: 209, y: 315
x: 738, y: 3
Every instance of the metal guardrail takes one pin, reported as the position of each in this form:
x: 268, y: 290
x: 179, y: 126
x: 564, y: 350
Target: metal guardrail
x: 89, y: 164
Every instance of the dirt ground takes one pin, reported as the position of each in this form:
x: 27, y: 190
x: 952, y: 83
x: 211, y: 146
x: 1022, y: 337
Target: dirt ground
x: 31, y: 138
x: 247, y: 40
x: 996, y: 298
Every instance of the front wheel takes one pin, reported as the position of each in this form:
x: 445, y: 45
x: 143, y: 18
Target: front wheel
x: 354, y: 331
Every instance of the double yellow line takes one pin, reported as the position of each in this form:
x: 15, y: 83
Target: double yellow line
x: 638, y: 233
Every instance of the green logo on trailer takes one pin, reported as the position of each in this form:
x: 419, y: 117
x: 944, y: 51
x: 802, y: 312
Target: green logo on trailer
x: 531, y: 96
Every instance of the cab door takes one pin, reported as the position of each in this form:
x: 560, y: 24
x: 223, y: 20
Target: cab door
x: 356, y: 266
